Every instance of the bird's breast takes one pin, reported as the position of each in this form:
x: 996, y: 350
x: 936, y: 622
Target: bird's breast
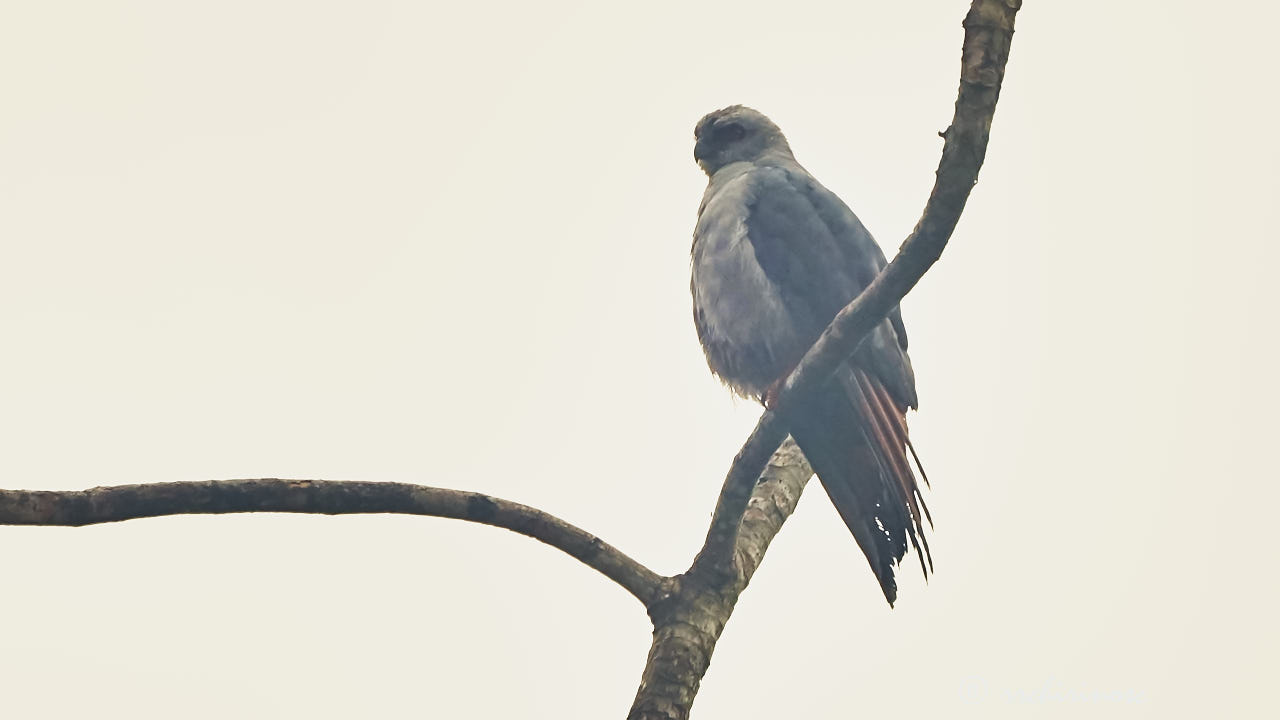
x: 742, y: 320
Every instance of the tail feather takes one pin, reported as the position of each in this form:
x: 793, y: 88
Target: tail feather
x: 855, y: 436
x: 897, y: 416
x: 889, y: 414
x: 892, y: 465
x: 829, y: 434
x: 890, y: 429
x: 923, y: 474
x: 850, y: 498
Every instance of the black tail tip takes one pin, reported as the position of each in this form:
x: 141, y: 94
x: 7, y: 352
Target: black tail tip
x: 890, y: 588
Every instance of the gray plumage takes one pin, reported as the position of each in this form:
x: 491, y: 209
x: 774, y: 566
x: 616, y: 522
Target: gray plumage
x: 775, y: 256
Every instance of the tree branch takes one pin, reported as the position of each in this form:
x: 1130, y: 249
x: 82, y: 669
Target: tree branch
x: 689, y: 621
x: 128, y: 502
x: 689, y: 611
x: 686, y: 631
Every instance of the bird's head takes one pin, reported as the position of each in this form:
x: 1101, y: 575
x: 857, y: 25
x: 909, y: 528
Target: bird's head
x: 735, y: 134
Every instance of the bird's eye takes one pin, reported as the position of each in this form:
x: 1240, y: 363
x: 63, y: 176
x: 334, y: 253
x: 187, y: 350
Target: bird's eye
x: 732, y: 131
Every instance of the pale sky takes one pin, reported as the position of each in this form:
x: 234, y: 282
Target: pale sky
x: 448, y: 244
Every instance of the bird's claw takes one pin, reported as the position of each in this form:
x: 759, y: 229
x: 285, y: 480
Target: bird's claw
x: 770, y: 399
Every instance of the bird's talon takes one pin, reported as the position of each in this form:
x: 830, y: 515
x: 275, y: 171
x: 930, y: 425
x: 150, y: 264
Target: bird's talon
x: 770, y: 399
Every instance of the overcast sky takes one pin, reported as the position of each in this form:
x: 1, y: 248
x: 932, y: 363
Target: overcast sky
x: 448, y: 244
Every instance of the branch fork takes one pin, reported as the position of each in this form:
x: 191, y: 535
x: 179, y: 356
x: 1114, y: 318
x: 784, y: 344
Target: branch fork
x: 760, y: 491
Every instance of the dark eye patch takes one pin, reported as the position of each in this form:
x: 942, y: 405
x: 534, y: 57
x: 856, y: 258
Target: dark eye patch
x: 731, y: 131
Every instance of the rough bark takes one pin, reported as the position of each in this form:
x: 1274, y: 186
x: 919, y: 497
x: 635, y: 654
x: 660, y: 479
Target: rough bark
x: 688, y: 622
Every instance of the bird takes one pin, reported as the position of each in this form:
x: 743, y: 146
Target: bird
x: 775, y: 256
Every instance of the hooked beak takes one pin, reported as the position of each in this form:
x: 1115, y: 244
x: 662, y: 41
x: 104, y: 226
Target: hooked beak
x: 700, y: 151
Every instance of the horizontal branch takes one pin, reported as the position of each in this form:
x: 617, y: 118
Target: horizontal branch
x: 988, y: 33
x: 127, y: 502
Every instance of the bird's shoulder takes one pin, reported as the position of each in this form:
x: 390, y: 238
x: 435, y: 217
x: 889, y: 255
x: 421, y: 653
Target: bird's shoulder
x: 812, y: 250
x: 737, y: 194
x: 738, y: 184
x: 782, y: 190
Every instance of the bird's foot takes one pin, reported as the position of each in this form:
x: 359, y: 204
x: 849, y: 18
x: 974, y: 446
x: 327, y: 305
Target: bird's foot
x: 770, y: 397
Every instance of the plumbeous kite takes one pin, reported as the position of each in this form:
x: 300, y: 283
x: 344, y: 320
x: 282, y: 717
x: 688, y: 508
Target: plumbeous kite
x: 775, y: 256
